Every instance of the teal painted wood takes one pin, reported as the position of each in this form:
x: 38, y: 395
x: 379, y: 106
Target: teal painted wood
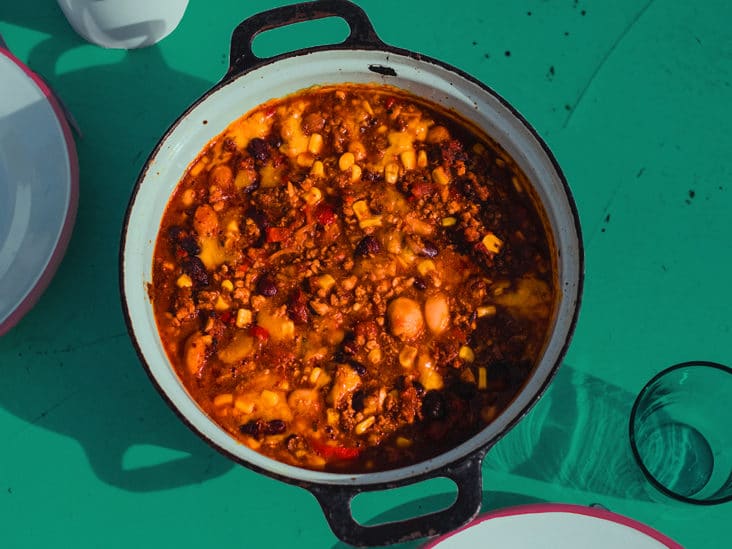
x: 632, y: 96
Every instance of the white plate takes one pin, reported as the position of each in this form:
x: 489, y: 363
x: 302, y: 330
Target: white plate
x: 555, y: 526
x: 38, y: 188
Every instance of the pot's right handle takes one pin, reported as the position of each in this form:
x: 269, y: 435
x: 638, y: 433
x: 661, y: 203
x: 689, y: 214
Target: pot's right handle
x: 242, y: 58
x: 336, y: 503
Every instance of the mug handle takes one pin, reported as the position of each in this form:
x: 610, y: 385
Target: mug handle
x: 335, y: 501
x: 243, y: 59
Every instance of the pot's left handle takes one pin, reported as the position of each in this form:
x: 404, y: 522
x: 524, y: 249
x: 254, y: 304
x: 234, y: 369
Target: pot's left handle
x: 242, y: 58
x: 336, y: 503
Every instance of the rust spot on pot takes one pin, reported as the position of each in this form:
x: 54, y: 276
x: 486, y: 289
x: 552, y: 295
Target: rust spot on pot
x: 382, y: 70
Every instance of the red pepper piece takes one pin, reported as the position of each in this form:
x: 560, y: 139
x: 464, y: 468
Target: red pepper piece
x: 260, y: 333
x: 324, y: 214
x: 277, y: 234
x: 227, y: 317
x: 335, y: 452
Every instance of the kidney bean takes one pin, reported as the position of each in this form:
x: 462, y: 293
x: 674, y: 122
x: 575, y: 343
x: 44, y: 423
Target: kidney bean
x: 357, y: 401
x: 428, y: 248
x: 193, y: 267
x: 297, y: 307
x: 259, y: 218
x: 418, y: 387
x: 266, y: 286
x: 464, y: 389
x: 251, y: 428
x: 367, y: 246
x: 358, y: 367
x: 419, y: 283
x: 434, y: 406
x: 259, y: 149
x: 274, y: 427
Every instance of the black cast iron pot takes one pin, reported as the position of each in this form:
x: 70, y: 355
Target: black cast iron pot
x: 361, y: 58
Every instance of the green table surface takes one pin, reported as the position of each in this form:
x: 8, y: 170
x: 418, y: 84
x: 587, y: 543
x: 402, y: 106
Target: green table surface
x: 633, y: 97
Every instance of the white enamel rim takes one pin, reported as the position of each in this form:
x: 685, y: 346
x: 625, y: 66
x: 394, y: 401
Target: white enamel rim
x: 38, y: 188
x: 219, y: 108
x: 549, y: 526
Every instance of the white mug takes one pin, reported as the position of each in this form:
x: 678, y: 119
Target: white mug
x: 123, y: 24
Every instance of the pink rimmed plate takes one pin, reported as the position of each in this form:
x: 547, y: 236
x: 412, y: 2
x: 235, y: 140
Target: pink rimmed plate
x: 554, y: 526
x: 39, y: 188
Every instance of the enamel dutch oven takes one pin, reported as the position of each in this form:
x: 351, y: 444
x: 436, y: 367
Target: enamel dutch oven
x: 361, y: 58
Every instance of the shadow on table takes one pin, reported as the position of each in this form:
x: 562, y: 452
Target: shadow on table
x: 576, y: 437
x: 69, y: 367
x: 491, y: 501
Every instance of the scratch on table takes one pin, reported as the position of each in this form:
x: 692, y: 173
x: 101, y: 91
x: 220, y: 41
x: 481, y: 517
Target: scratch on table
x: 604, y: 60
x: 83, y: 345
x: 53, y: 407
x: 38, y: 419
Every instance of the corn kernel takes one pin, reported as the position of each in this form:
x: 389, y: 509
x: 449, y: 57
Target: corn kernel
x: 367, y: 107
x: 488, y: 413
x: 244, y: 179
x: 407, y: 356
x: 184, y: 281
x: 346, y: 161
x: 426, y: 266
x: 315, y: 374
x: 332, y: 416
x: 313, y: 196
x: 422, y: 159
x: 374, y: 221
x: 516, y: 184
x: 431, y: 379
x: 315, y: 143
x: 224, y: 399
x: 409, y: 159
x: 485, y: 310
x: 270, y: 398
x: 364, y: 425
x: 198, y: 167
x: 244, y: 404
x: 189, y: 196
x: 467, y: 375
x: 355, y: 173
x: 466, y: 353
x: 492, y: 243
x: 361, y: 209
x: 326, y: 282
x: 403, y: 442
x: 305, y: 160
x: 232, y: 226
x: 243, y: 318
x: 318, y: 169
x: 227, y: 285
x: 448, y: 221
x: 440, y: 176
x: 482, y: 378
x: 375, y: 356
x: 438, y: 134
x: 391, y: 172
x: 221, y: 304
x: 478, y: 148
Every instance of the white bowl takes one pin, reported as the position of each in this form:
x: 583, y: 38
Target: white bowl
x: 123, y: 24
x: 38, y: 188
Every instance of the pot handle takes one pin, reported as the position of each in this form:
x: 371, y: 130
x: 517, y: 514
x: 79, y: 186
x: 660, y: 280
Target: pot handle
x: 242, y: 58
x: 335, y: 501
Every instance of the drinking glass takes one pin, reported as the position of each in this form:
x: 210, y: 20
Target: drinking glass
x: 681, y: 432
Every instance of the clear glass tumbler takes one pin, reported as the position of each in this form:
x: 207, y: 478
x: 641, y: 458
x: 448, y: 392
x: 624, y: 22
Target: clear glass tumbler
x: 681, y: 432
